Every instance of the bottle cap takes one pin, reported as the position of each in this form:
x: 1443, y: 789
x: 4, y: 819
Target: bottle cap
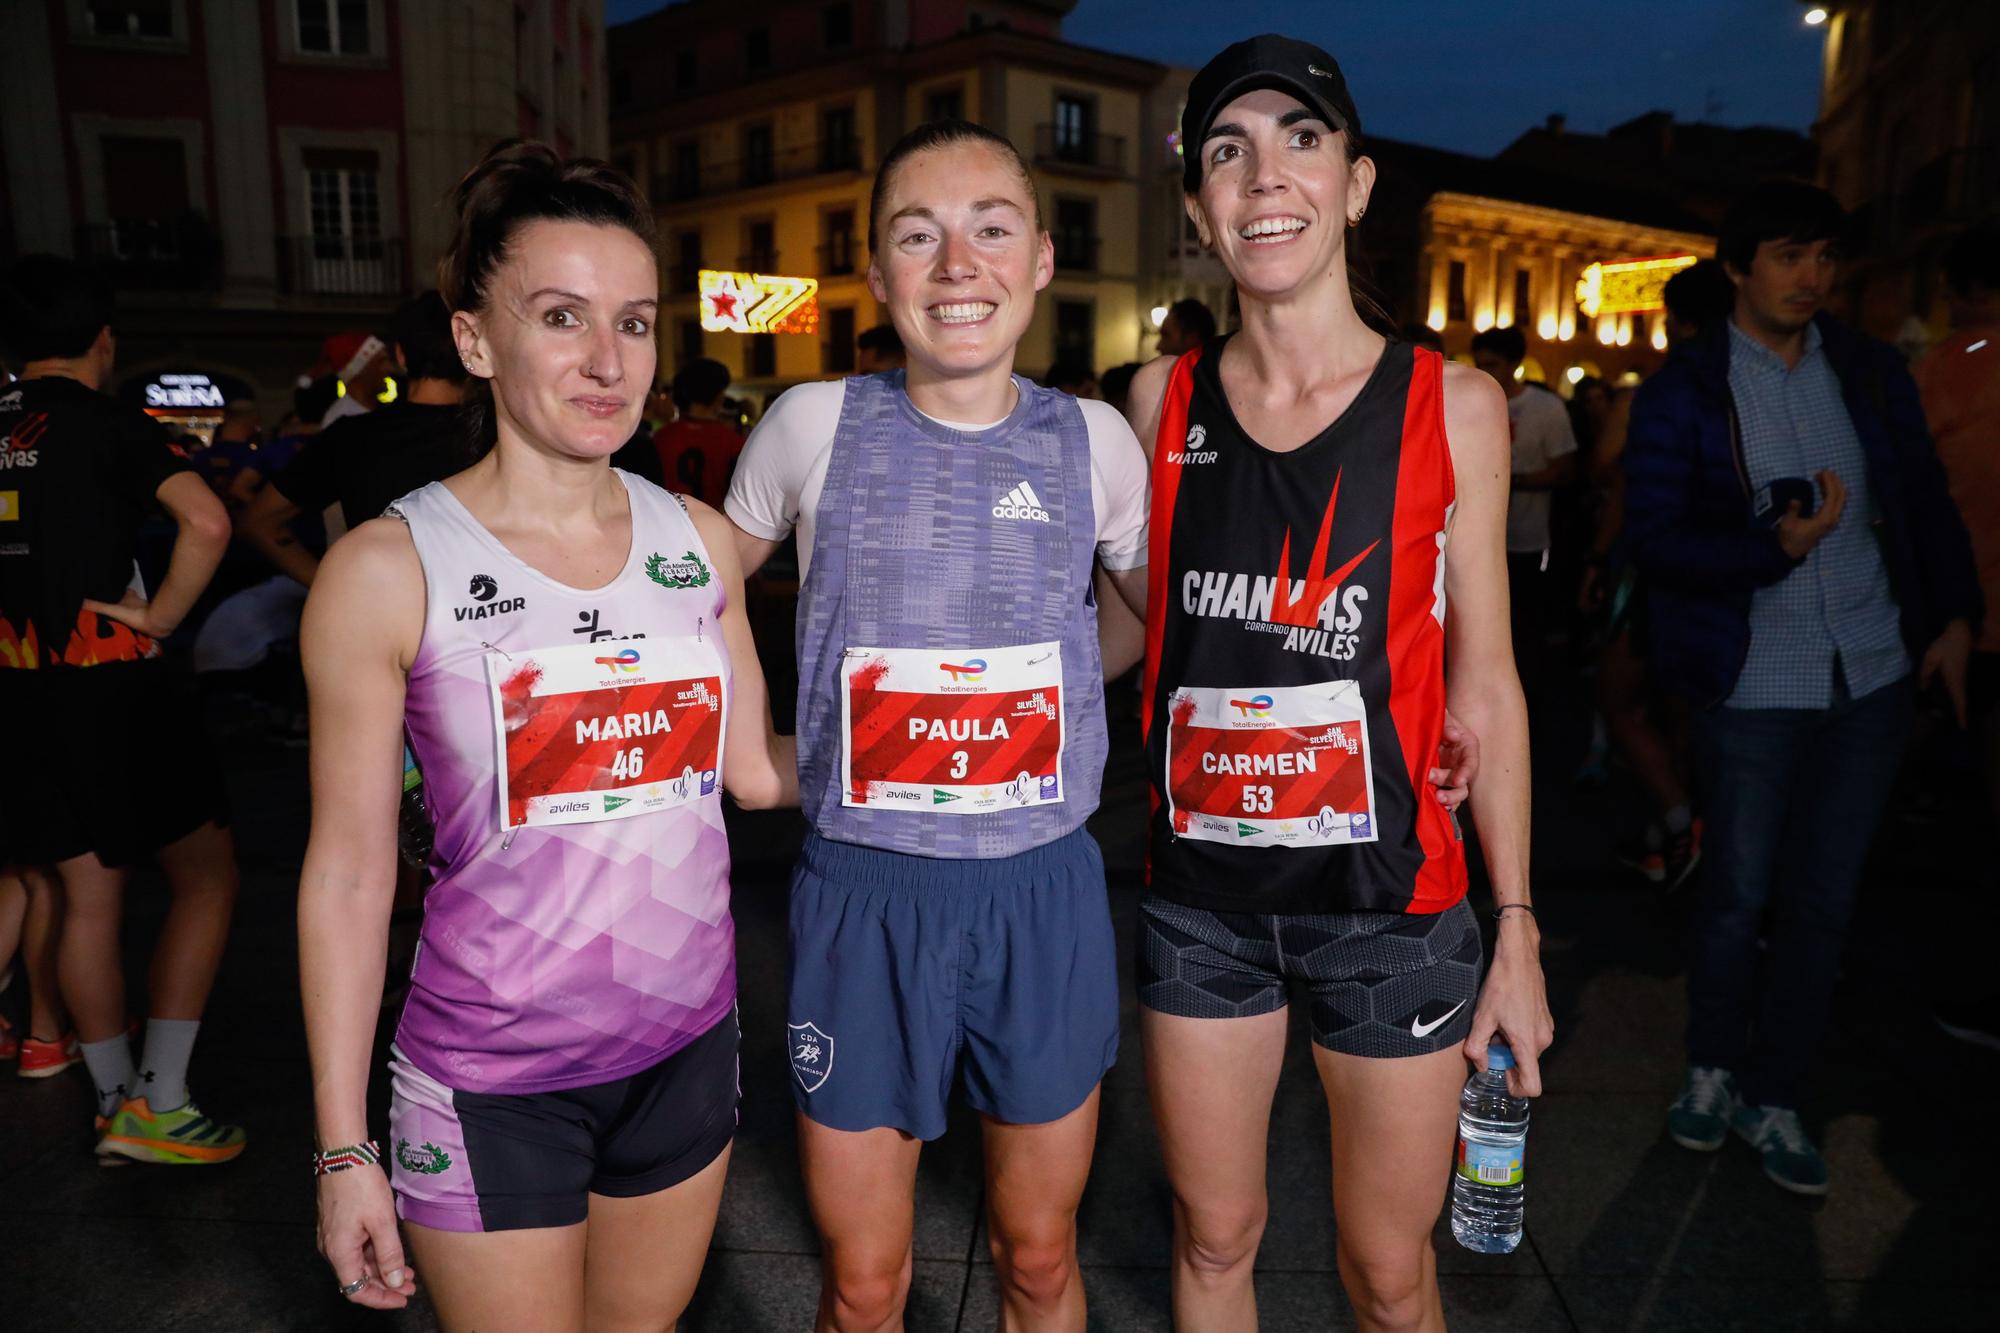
x: 1499, y: 1056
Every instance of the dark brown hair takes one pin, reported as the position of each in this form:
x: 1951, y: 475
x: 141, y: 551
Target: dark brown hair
x: 944, y: 134
x: 520, y: 181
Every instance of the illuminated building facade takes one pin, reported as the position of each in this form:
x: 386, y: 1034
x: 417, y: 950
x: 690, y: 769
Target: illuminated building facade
x: 1490, y: 263
x: 756, y: 125
x: 255, y: 175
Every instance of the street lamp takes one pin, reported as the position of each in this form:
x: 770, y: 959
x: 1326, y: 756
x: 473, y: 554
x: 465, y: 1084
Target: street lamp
x: 1159, y: 315
x: 1815, y: 16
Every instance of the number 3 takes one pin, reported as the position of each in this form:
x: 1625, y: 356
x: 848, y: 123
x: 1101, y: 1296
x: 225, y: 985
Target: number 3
x: 1257, y: 799
x: 959, y: 762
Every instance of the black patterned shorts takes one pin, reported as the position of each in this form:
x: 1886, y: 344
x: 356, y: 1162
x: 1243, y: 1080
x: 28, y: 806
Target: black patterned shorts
x: 1382, y: 984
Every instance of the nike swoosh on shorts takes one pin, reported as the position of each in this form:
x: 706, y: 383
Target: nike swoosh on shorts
x: 1419, y: 1028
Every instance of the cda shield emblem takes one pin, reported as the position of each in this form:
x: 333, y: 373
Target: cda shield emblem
x: 812, y: 1055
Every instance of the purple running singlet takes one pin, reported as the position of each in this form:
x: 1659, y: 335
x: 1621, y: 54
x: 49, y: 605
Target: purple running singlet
x: 559, y: 954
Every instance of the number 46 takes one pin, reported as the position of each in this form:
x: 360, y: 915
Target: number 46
x: 1257, y: 800
x: 630, y: 764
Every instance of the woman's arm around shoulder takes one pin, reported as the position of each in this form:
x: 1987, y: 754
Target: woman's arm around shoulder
x: 760, y: 768
x: 1483, y: 690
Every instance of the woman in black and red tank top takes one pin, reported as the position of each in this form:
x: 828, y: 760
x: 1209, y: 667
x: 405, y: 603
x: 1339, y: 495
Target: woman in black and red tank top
x: 1309, y: 481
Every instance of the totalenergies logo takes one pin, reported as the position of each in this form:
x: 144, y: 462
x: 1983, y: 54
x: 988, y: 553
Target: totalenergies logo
x: 627, y: 661
x: 1257, y: 705
x: 971, y: 669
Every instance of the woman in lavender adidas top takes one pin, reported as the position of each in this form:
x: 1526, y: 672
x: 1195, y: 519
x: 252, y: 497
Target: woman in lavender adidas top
x: 948, y: 915
x: 565, y: 648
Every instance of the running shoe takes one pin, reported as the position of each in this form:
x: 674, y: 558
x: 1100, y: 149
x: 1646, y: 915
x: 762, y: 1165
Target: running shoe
x: 1978, y: 1022
x: 182, y: 1137
x: 1790, y: 1159
x: 1699, y: 1117
x: 10, y: 1045
x: 1645, y: 854
x: 1681, y: 855
x: 43, y: 1059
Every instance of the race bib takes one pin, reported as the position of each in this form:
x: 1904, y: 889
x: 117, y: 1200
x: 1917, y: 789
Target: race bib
x: 1281, y: 767
x: 955, y: 732
x: 595, y: 731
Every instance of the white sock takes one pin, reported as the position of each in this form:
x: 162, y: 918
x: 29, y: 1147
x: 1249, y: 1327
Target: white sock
x: 1679, y: 819
x: 164, y: 1066
x: 110, y: 1065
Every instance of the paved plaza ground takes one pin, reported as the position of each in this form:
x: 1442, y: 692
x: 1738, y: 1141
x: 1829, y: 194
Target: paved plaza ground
x: 1624, y: 1230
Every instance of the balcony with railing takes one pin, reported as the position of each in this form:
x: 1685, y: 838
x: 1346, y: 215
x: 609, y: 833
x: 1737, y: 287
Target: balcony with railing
x: 1060, y: 148
x: 1075, y: 252
x: 840, y: 258
x: 340, y: 266
x: 180, y: 254
x: 824, y: 157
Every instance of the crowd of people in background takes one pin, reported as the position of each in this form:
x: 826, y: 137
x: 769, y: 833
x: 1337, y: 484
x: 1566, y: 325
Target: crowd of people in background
x: 1766, y: 560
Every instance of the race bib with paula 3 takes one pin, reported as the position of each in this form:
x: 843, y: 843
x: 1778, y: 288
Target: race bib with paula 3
x: 954, y: 731
x: 1280, y: 767
x: 596, y: 731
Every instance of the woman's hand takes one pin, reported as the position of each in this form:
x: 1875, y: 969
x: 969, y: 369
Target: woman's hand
x: 1458, y: 763
x: 1514, y: 1005
x: 135, y: 613
x: 357, y: 1234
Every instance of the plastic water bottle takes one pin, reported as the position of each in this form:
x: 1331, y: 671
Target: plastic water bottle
x: 1487, y: 1193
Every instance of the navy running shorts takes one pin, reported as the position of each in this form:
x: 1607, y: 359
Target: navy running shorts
x: 488, y: 1161
x: 1383, y: 984
x: 908, y: 970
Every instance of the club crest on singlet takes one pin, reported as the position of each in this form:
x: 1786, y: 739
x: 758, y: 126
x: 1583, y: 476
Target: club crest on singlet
x: 1320, y: 615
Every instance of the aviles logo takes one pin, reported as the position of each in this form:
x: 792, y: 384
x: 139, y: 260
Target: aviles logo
x: 626, y: 661
x: 1257, y: 705
x: 21, y: 448
x: 1022, y: 503
x: 971, y: 669
x: 1197, y: 436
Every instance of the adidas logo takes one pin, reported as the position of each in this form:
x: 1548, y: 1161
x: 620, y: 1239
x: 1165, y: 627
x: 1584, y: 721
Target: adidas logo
x: 1023, y: 503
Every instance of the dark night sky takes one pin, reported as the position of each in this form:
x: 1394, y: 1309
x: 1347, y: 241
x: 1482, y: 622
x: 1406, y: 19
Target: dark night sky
x: 1472, y: 74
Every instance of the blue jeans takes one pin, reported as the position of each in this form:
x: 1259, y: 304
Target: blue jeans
x: 1791, y: 798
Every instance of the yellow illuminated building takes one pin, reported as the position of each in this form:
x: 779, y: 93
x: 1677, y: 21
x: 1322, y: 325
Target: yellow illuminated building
x: 1583, y: 289
x: 756, y: 127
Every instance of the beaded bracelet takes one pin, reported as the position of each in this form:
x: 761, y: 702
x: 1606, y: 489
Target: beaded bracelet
x: 340, y: 1159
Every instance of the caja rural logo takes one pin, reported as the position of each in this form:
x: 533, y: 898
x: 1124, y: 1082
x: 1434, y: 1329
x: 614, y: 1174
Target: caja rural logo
x: 626, y: 661
x: 971, y: 669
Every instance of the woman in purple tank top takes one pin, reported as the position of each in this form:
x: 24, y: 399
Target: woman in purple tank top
x: 565, y: 649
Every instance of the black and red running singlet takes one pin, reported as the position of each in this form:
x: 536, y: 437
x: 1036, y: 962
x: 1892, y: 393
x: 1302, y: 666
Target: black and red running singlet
x: 1295, y: 652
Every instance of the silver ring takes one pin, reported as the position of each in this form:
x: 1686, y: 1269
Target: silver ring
x: 355, y: 1285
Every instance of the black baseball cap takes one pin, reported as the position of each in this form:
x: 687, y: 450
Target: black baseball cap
x: 1269, y: 61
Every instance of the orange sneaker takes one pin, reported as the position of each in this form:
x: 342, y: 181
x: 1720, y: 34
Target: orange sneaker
x: 43, y: 1059
x: 181, y: 1137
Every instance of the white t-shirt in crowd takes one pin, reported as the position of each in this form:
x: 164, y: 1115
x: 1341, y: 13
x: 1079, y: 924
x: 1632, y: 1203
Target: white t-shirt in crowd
x: 778, y: 479
x: 1539, y: 423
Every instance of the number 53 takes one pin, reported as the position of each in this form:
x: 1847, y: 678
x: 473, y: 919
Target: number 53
x: 1257, y: 800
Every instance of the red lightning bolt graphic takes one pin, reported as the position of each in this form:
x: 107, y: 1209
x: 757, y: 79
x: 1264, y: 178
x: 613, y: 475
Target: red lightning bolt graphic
x: 1285, y: 611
